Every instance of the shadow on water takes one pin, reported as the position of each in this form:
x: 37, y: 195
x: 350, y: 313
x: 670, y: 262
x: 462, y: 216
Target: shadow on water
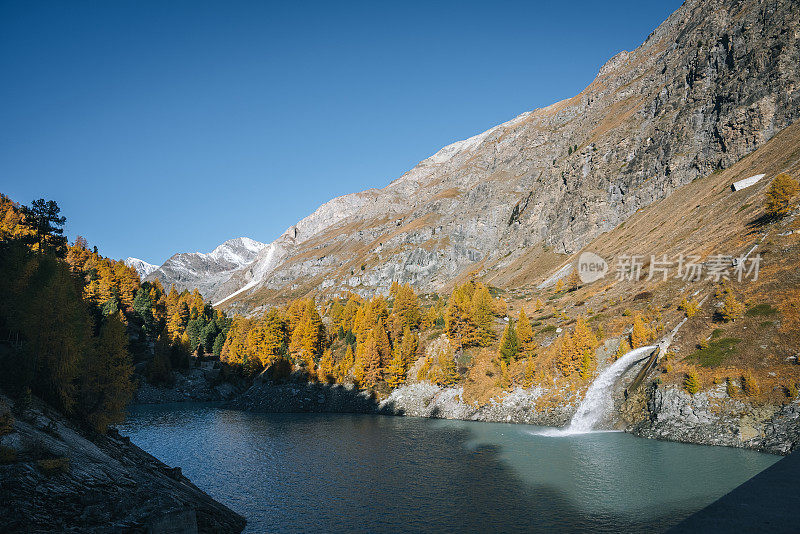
x: 340, y: 472
x: 299, y: 396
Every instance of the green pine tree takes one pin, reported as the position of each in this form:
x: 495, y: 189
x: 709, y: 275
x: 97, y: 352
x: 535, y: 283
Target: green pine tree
x: 509, y: 344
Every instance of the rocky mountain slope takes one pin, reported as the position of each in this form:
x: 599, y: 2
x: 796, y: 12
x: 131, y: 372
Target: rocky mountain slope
x: 205, y: 271
x: 762, y: 347
x: 715, y: 81
x: 142, y: 267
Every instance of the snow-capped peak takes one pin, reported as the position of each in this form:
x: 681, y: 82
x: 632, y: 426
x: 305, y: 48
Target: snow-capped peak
x: 239, y: 251
x: 141, y: 266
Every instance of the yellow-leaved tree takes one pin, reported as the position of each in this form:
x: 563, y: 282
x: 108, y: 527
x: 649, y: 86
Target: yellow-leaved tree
x: 396, y: 371
x: 641, y: 334
x: 527, y: 345
x: 780, y: 195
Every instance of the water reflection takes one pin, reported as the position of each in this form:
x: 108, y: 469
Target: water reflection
x: 309, y: 472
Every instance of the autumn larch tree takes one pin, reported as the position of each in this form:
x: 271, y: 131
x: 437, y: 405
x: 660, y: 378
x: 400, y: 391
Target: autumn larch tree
x: 396, y: 371
x: 641, y: 333
x: 780, y: 194
x: 525, y: 334
x: 372, y: 363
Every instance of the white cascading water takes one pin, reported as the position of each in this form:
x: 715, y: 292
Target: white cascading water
x: 597, y: 403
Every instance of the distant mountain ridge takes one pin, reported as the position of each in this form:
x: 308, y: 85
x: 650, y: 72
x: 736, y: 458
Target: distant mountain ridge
x: 205, y: 271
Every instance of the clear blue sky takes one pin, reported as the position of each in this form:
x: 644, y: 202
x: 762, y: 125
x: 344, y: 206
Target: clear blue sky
x: 170, y: 126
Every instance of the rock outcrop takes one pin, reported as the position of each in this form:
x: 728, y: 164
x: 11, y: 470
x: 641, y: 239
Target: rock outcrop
x: 55, y: 477
x: 714, y: 82
x: 714, y: 418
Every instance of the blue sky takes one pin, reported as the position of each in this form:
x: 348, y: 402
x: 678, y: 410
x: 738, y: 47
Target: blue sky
x: 162, y: 127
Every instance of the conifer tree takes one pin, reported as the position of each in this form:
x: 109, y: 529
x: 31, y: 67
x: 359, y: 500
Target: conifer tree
x: 396, y: 371
x: 372, y: 363
x: 219, y: 342
x: 529, y: 373
x: 349, y: 313
x: 235, y: 348
x: 780, y: 194
x: 383, y: 343
x: 359, y: 362
x: 448, y: 374
x: 525, y: 334
x: 459, y: 321
x: 691, y: 384
x: 313, y: 331
x: 577, y: 350
x: 509, y: 344
x: 731, y: 308
x: 45, y: 227
x: 57, y: 329
x: 568, y: 358
x: 624, y: 348
x: 409, y: 346
x: 344, y: 365
x: 406, y: 308
x: 183, y: 316
x: 429, y: 318
x: 641, y: 333
x: 482, y: 315
x: 107, y: 385
x: 326, y: 368
x: 296, y: 340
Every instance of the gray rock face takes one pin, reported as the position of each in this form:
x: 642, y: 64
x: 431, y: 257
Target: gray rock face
x: 420, y: 399
x: 206, y: 271
x: 713, y: 418
x: 99, y: 484
x: 715, y: 81
x: 423, y: 399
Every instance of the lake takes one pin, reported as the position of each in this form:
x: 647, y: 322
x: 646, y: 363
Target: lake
x: 368, y: 473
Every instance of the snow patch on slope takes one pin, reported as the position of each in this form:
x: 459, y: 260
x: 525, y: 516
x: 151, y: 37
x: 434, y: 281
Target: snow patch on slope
x: 141, y: 266
x: 258, y: 271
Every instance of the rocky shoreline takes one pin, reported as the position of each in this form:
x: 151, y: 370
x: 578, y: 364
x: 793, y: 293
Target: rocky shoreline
x: 56, y: 477
x: 192, y: 385
x: 656, y: 412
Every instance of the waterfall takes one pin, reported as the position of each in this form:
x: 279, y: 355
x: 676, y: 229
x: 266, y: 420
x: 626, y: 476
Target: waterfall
x: 597, y: 403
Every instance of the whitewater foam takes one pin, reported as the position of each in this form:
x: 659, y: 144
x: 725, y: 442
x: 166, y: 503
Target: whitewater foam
x: 597, y: 403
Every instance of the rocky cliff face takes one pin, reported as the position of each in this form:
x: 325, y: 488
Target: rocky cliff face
x: 206, y: 271
x: 715, y: 81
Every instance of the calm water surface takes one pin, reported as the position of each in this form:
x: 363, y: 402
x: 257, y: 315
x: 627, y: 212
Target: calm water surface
x: 363, y: 473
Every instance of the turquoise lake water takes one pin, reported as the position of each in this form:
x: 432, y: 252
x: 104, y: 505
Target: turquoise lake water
x: 364, y: 473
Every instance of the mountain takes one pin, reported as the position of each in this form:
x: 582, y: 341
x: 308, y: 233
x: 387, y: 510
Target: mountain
x: 205, y: 271
x: 141, y: 266
x: 710, y: 85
